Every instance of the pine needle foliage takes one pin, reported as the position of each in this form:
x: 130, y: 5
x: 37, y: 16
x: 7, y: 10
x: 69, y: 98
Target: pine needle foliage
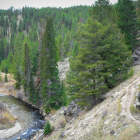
x: 6, y: 79
x: 17, y: 60
x: 102, y: 62
x: 28, y: 79
x: 102, y: 11
x: 51, y: 91
x: 127, y: 22
x: 47, y: 128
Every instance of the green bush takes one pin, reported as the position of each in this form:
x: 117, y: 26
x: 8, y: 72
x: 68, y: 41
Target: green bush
x: 0, y: 78
x: 3, y: 66
x: 133, y: 110
x: 6, y: 79
x: 47, y: 128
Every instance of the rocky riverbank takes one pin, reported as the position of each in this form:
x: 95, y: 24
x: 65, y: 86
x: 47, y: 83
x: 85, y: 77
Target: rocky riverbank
x: 8, y: 89
x: 6, y: 133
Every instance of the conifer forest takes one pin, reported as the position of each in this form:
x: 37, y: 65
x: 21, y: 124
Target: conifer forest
x: 99, y: 41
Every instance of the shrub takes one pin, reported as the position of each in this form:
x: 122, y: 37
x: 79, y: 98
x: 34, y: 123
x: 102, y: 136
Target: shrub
x: 119, y: 107
x: 3, y: 66
x: 62, y: 122
x: 53, y: 111
x: 6, y: 79
x: 47, y: 128
x: 133, y: 110
x: 0, y: 78
x: 4, y: 120
x: 52, y: 127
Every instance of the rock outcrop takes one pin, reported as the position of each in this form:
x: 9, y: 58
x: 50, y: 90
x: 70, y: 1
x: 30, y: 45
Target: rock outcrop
x: 138, y: 96
x: 72, y: 111
x: 136, y: 56
x: 138, y: 101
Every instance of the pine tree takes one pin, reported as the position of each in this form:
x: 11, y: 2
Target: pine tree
x: 6, y: 69
x: 2, y: 50
x: 63, y: 95
x: 47, y: 128
x: 6, y: 79
x: 39, y: 80
x: 18, y: 79
x: 28, y: 80
x: 101, y: 11
x: 35, y: 62
x: 101, y: 63
x: 75, y: 49
x: 0, y: 78
x: 71, y: 88
x: 127, y: 22
x: 59, y: 42
x: 51, y: 91
x: 17, y: 61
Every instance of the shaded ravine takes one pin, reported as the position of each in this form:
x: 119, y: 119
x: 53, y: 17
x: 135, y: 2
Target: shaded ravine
x: 29, y: 117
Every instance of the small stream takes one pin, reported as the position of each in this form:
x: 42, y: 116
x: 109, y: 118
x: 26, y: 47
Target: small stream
x: 29, y: 117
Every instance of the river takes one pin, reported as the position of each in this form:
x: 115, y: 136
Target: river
x: 29, y: 117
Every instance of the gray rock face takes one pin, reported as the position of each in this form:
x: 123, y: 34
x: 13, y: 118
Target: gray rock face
x: 138, y: 105
x: 72, y: 111
x: 136, y: 56
x: 138, y: 96
x: 104, y: 113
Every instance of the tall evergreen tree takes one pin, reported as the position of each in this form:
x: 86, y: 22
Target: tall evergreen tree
x: 2, y: 50
x: 102, y: 61
x: 127, y: 22
x: 28, y: 79
x: 59, y: 42
x: 17, y: 60
x: 51, y: 91
x: 101, y: 11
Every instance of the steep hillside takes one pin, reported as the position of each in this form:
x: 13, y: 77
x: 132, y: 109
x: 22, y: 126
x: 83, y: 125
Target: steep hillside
x: 112, y: 119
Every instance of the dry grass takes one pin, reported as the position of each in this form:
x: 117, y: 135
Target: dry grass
x: 9, y: 87
x: 62, y: 122
x: 133, y: 110
x: 53, y: 111
x: 129, y: 132
x: 98, y: 134
x: 126, y: 134
x: 53, y: 127
x: 119, y: 107
x: 6, y: 119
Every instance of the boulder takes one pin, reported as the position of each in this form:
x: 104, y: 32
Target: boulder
x: 136, y: 56
x: 106, y: 122
x: 138, y: 96
x: 138, y: 105
x: 112, y: 132
x: 72, y: 111
x: 104, y: 113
